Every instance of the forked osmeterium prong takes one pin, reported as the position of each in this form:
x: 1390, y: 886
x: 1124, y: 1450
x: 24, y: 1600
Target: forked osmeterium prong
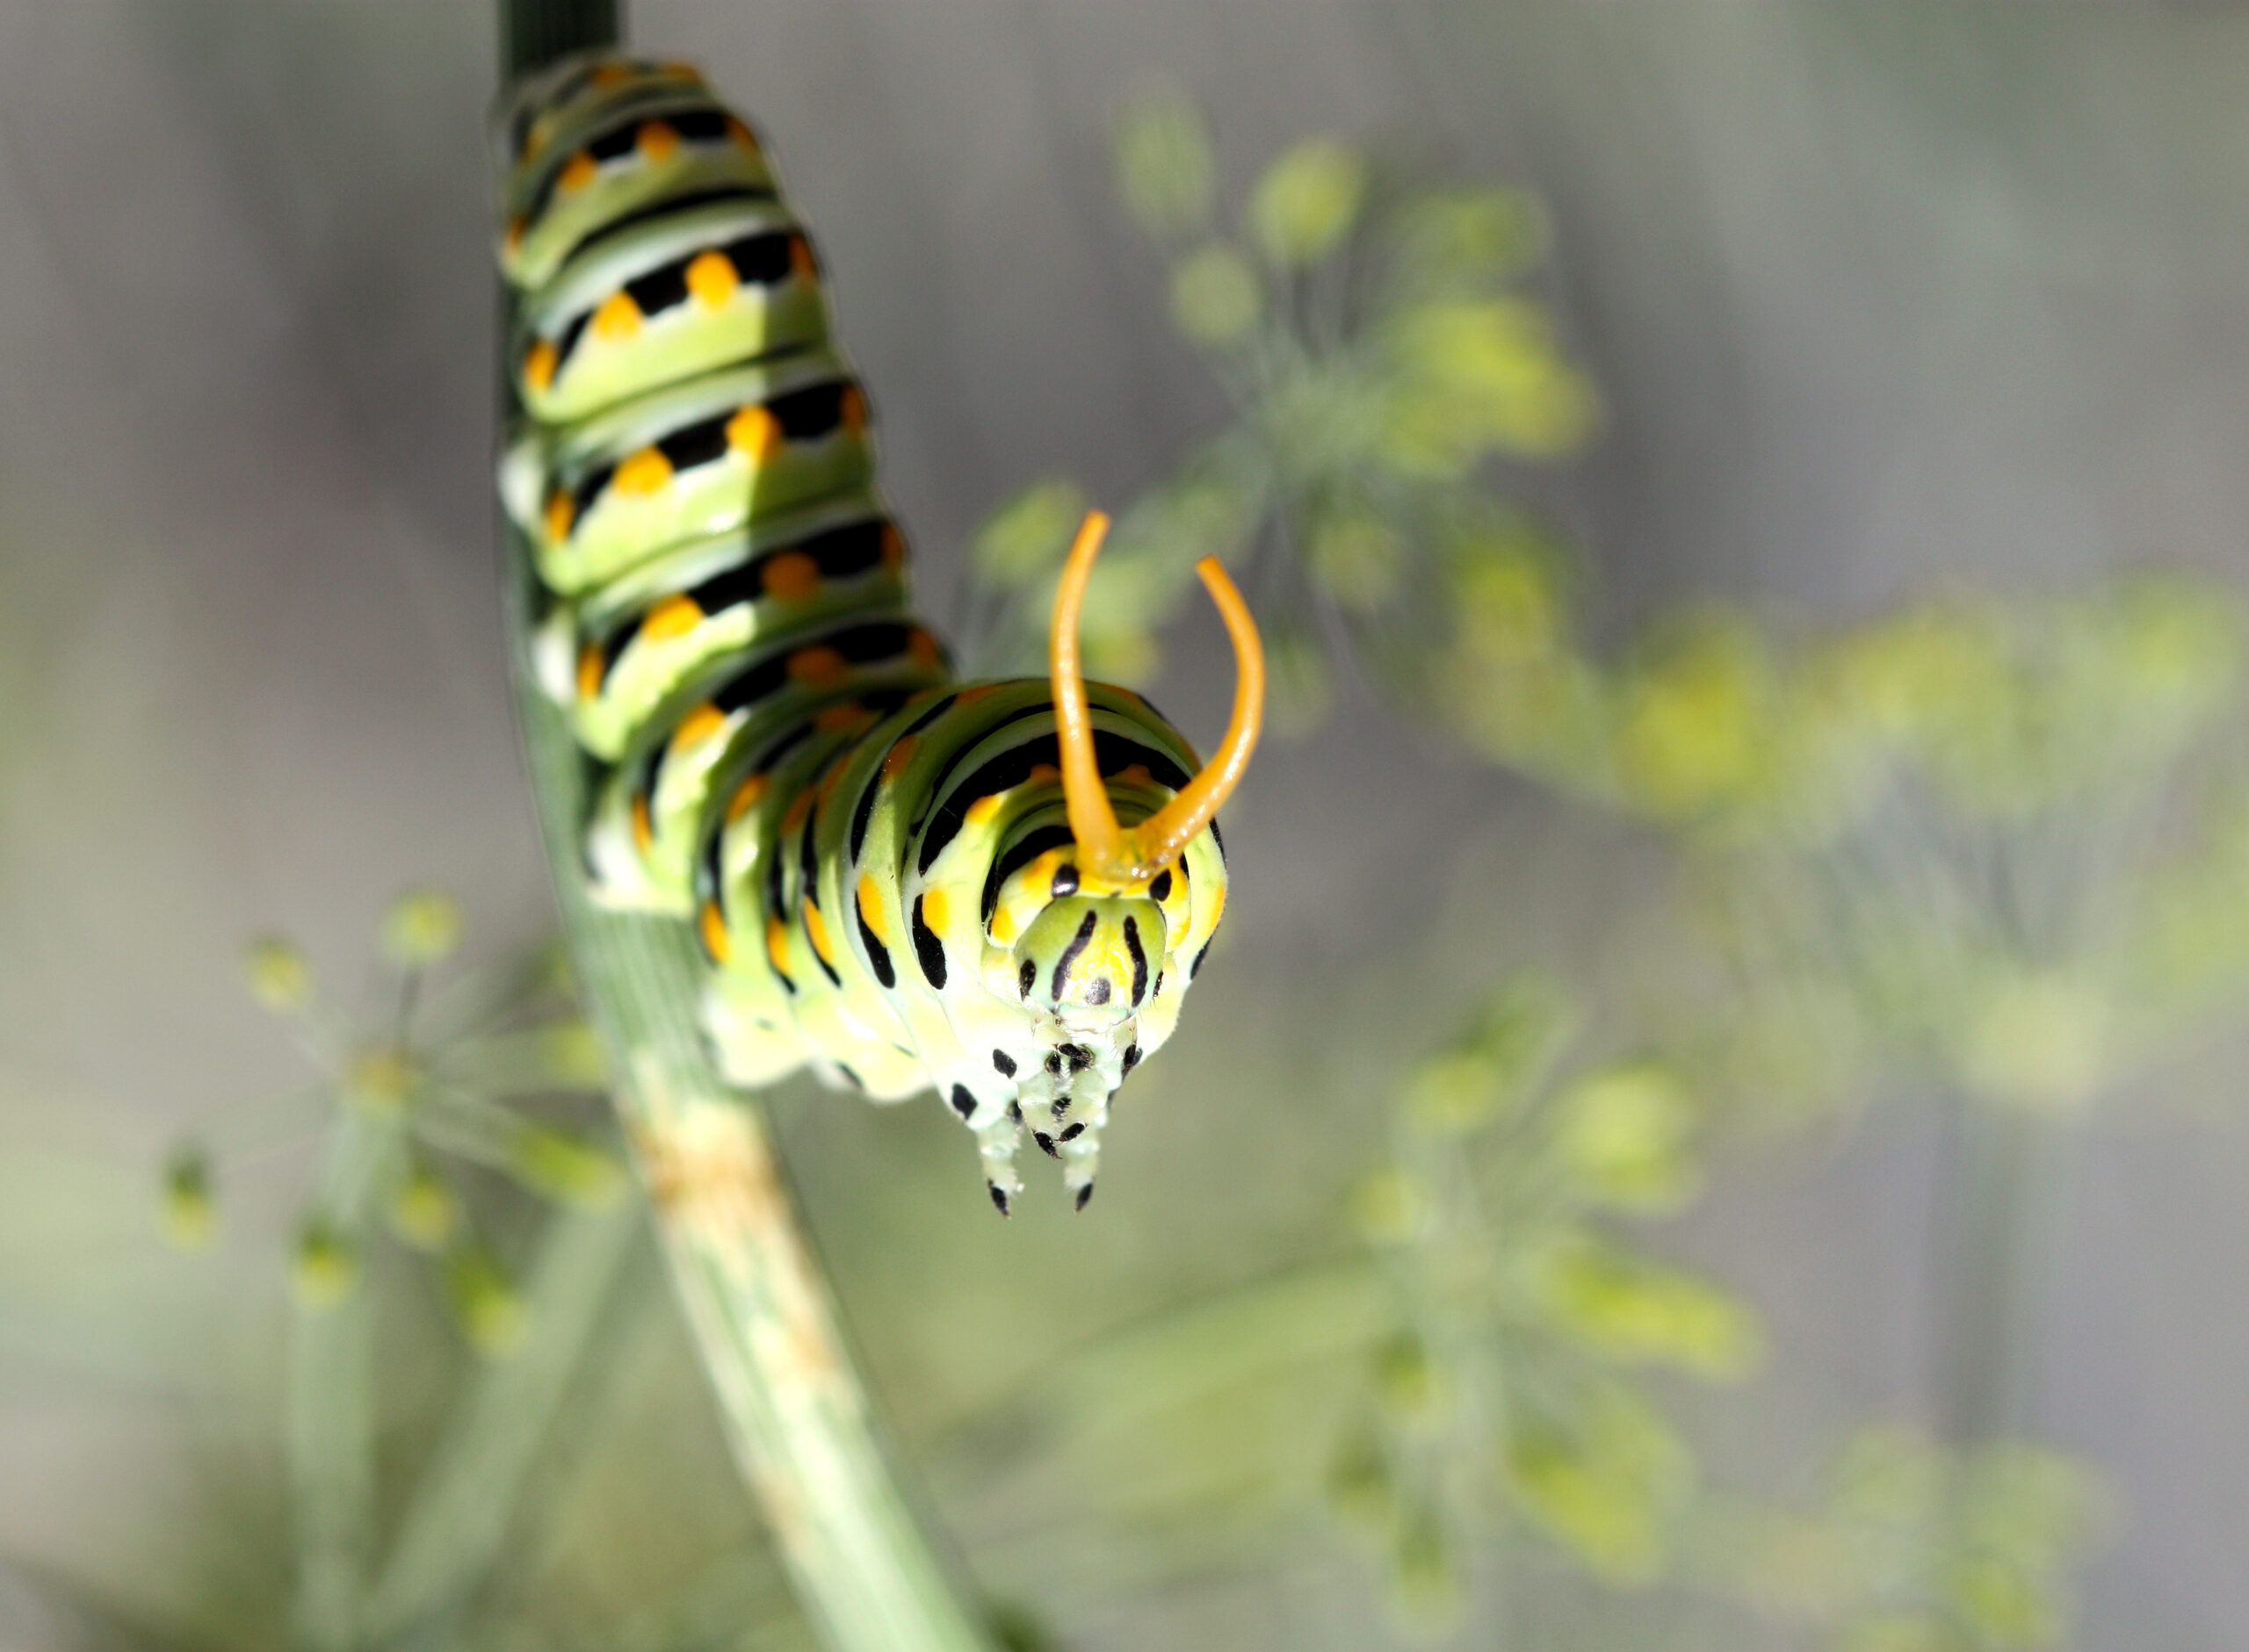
x: 1105, y: 848
x: 1093, y: 822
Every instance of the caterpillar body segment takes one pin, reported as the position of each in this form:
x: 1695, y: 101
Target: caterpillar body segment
x: 613, y: 657
x: 725, y: 281
x: 581, y: 153
x: 707, y: 456
x: 998, y: 890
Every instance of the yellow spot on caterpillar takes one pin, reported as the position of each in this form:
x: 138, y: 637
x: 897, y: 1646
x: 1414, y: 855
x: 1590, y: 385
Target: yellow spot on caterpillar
x: 923, y: 647
x: 741, y: 134
x: 712, y: 278
x: 870, y: 911
x: 745, y: 797
x: 817, y: 929
x: 817, y: 667
x: 901, y: 754
x: 697, y: 726
x: 777, y: 945
x: 539, y: 362
x: 937, y: 911
x: 970, y: 697
x: 646, y: 471
x: 674, y: 617
x: 980, y: 814
x: 833, y: 778
x: 560, y: 512
x: 1219, y: 911
x: 591, y: 668
x: 618, y: 318
x: 853, y: 410
x: 713, y: 925
x: 656, y: 140
x: 894, y: 548
x: 801, y: 263
x: 577, y: 174
x: 843, y: 719
x: 798, y: 808
x: 754, y: 431
x: 1042, y: 771
x: 790, y: 577
x: 514, y: 240
x: 1134, y: 774
x: 644, y: 833
x: 1003, y: 927
x: 611, y: 74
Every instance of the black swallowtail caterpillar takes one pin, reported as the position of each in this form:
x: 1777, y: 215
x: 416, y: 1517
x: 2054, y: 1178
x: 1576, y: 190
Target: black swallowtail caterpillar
x: 1000, y: 889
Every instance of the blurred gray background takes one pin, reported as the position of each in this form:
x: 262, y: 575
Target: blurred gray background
x: 1879, y: 297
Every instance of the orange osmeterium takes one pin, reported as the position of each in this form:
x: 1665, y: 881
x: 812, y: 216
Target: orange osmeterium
x: 1129, y: 857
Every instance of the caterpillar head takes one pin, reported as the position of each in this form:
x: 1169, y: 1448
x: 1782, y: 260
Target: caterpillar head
x: 1115, y: 898
x: 1088, y: 960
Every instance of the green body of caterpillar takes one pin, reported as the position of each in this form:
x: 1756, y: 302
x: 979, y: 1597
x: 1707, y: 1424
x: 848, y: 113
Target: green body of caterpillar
x: 879, y: 863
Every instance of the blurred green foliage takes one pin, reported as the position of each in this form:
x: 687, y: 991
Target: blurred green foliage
x: 438, y: 1078
x: 1987, y: 848
x: 1504, y: 1389
x: 1381, y: 353
x: 424, y: 1141
x: 1912, y: 1547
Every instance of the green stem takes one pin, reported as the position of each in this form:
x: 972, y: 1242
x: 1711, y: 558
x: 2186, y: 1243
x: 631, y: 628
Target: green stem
x: 864, y: 1571
x: 464, y: 1501
x: 331, y: 1414
x: 533, y: 33
x: 1994, y: 1208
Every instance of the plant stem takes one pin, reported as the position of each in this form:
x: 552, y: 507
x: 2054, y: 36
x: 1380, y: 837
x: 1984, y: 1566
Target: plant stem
x: 1997, y: 1197
x: 331, y: 1417
x: 463, y: 1502
x: 864, y: 1571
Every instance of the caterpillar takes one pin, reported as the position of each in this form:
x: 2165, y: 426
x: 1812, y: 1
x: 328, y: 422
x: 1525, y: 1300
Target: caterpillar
x: 996, y: 890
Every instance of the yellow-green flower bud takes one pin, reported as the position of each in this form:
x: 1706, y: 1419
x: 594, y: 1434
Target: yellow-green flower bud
x: 424, y: 1211
x: 1163, y: 165
x: 1389, y: 1208
x: 420, y: 928
x: 491, y: 1312
x: 1359, y: 1488
x: 1606, y: 1487
x: 191, y: 1215
x: 279, y: 977
x: 1426, y: 1588
x: 1214, y: 295
x: 1697, y: 724
x: 567, y: 1168
x: 1623, y: 1133
x: 381, y: 1081
x: 1413, y: 1386
x: 1306, y: 202
x: 326, y: 1269
x: 1631, y: 1309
